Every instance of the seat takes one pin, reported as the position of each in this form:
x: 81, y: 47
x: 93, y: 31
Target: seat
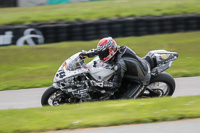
x: 151, y: 61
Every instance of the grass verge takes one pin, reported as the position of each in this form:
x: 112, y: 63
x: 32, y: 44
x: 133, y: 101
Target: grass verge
x: 96, y: 114
x: 28, y: 67
x: 97, y: 10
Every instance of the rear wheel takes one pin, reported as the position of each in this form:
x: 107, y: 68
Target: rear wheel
x: 160, y: 85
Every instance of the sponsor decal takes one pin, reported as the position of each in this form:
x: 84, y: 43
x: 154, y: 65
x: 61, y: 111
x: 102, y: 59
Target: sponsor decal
x: 31, y: 37
x: 7, y: 38
x: 28, y: 37
x: 165, y: 56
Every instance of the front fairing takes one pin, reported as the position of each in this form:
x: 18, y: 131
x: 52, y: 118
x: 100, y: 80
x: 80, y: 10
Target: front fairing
x: 71, y: 67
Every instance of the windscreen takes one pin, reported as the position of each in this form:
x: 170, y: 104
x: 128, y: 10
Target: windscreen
x: 73, y: 63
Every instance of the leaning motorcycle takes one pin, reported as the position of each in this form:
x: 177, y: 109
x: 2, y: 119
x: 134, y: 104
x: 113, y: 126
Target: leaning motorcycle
x: 72, y: 80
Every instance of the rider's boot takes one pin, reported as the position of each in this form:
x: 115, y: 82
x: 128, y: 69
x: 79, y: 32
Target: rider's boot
x: 133, y: 91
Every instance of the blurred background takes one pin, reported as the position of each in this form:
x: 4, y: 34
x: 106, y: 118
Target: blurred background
x: 61, y: 28
x: 24, y: 3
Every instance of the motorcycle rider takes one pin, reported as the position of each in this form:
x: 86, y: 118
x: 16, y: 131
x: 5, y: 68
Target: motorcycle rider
x: 127, y: 65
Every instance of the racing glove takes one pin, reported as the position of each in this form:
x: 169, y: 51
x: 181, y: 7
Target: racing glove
x: 91, y: 53
x: 83, y: 54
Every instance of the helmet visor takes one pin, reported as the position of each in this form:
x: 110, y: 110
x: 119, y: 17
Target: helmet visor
x: 103, y: 53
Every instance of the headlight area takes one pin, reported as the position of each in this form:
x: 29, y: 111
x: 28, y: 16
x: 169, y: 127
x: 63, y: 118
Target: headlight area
x: 72, y: 82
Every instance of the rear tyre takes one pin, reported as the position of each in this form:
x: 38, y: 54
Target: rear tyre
x: 162, y: 84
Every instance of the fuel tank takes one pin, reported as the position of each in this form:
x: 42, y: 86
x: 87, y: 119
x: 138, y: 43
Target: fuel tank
x: 99, y: 70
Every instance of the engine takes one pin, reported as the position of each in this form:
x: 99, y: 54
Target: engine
x: 76, y: 86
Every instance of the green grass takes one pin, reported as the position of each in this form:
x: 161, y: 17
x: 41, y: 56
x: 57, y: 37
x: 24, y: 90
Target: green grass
x: 96, y: 114
x: 28, y: 67
x: 98, y: 10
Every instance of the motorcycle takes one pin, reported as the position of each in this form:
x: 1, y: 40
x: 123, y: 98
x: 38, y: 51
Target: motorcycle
x: 72, y: 80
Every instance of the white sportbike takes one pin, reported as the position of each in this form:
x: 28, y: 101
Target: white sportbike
x: 71, y: 82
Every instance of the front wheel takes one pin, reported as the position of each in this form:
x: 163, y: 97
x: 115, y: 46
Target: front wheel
x: 55, y: 97
x: 161, y: 85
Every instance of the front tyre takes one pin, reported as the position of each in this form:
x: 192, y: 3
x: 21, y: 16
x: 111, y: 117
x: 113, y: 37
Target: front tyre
x: 162, y: 84
x: 54, y: 97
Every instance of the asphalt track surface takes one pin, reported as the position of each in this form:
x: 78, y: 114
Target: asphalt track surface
x: 30, y: 98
